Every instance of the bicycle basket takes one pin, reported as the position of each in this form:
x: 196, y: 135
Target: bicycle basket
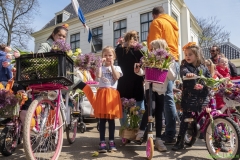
x: 55, y: 67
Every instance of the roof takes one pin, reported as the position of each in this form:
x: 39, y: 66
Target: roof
x: 228, y: 49
x: 87, y: 6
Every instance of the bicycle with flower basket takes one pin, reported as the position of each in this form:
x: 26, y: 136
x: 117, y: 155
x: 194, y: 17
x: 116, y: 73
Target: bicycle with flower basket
x: 222, y: 134
x: 10, y: 107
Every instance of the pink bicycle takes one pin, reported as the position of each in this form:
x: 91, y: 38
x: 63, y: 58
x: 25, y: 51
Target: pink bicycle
x: 47, y: 117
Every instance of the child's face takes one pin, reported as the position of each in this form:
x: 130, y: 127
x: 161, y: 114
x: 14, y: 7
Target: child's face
x: 60, y: 35
x: 223, y: 63
x: 109, y: 56
x: 190, y: 57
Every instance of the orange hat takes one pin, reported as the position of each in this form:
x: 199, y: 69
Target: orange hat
x: 188, y: 45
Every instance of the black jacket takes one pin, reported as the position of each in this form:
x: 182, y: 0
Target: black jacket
x: 130, y: 85
x: 192, y: 99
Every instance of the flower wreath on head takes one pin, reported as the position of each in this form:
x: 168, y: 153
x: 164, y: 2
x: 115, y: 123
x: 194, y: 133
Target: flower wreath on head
x: 65, y: 26
x: 189, y: 44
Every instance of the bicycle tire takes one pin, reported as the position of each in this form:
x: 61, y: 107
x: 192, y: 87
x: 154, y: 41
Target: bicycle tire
x: 4, y: 135
x: 236, y: 118
x: 210, y: 145
x: 72, y: 127
x: 30, y: 141
x: 149, y: 148
x: 192, y: 132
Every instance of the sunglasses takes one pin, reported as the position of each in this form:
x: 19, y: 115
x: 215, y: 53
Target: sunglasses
x: 213, y: 50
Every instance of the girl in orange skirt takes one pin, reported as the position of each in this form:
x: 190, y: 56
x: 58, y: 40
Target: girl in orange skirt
x: 107, y: 103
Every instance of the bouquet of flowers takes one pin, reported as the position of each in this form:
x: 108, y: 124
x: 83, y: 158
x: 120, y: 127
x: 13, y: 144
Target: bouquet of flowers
x: 159, y: 58
x: 62, y: 46
x: 231, y: 91
x: 89, y: 62
x: 133, y: 113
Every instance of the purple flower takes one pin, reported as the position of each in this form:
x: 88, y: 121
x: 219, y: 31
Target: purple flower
x: 60, y: 45
x: 137, y: 46
x: 7, y: 99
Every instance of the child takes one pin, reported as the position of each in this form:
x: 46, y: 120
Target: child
x: 60, y: 32
x: 222, y: 68
x: 192, y: 100
x: 107, y: 103
x: 158, y: 93
x: 212, y: 68
x: 5, y: 66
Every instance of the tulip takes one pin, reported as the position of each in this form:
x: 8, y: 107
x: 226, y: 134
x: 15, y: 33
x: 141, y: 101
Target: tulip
x: 16, y: 54
x: 79, y: 50
x: 5, y: 64
x: 7, y: 49
x: 8, y: 56
x: 144, y: 43
x: 198, y: 87
x: 69, y: 53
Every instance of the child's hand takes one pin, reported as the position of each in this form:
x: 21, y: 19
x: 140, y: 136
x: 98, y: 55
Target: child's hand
x: 103, y: 60
x: 5, y: 64
x: 111, y: 62
x: 136, y: 67
x: 189, y: 75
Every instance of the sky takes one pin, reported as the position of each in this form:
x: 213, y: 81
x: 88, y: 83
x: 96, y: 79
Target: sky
x: 227, y: 11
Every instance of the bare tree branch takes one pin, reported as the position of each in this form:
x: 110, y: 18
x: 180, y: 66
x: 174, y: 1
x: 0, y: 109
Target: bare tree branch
x: 16, y: 17
x: 212, y: 32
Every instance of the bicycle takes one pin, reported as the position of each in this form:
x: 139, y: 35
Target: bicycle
x: 219, y: 131
x: 47, y: 117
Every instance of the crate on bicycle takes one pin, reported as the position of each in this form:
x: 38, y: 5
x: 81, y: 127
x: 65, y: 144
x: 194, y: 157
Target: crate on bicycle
x: 55, y: 67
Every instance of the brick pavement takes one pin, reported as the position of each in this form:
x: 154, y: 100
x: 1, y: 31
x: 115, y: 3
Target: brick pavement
x: 87, y: 142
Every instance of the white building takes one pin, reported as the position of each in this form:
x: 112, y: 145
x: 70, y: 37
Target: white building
x: 110, y: 19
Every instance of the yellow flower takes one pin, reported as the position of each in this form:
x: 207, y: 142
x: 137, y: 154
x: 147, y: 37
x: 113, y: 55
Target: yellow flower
x: 79, y: 50
x: 69, y: 53
x: 144, y: 43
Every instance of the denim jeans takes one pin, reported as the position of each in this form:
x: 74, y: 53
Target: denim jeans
x: 124, y: 118
x: 170, y: 109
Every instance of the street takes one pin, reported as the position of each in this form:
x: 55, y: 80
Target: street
x: 86, y: 143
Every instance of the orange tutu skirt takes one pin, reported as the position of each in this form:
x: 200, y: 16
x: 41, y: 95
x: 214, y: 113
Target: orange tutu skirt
x: 107, y: 104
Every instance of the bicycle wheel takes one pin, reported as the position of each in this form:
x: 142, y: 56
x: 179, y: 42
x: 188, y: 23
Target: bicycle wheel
x: 41, y: 141
x: 222, y: 139
x: 149, y: 148
x: 71, y: 129
x: 236, y: 118
x: 8, y: 141
x: 191, y: 134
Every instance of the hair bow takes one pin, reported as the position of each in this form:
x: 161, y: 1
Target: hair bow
x: 65, y: 25
x: 188, y: 45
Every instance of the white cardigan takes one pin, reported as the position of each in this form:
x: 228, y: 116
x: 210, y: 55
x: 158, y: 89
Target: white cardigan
x: 79, y: 74
x: 161, y: 88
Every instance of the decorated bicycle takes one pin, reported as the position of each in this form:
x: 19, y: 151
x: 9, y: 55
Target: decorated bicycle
x: 221, y: 133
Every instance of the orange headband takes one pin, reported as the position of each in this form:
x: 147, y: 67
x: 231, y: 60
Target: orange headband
x: 188, y: 45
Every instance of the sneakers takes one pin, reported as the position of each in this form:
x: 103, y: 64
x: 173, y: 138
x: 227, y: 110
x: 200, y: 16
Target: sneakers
x: 111, y: 146
x: 139, y: 135
x: 102, y: 147
x: 160, y: 146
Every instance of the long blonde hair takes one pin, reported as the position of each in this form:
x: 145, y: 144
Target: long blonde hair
x: 159, y: 44
x: 197, y: 51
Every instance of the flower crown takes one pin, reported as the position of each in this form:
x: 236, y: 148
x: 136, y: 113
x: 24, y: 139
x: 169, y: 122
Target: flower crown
x: 65, y: 26
x: 188, y: 45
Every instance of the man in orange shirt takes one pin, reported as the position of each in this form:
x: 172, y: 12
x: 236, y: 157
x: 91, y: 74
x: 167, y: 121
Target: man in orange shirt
x: 165, y: 27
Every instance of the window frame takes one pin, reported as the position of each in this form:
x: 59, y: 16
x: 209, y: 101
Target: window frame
x: 149, y: 20
x: 57, y: 18
x: 75, y: 41
x: 120, y: 29
x: 93, y: 36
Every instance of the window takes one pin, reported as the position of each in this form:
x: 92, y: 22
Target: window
x: 59, y: 18
x: 117, y: 1
x: 238, y: 71
x: 97, y: 38
x: 174, y: 16
x: 75, y: 41
x: 119, y: 29
x: 146, y: 20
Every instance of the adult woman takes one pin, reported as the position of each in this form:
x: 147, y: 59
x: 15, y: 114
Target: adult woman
x: 130, y: 85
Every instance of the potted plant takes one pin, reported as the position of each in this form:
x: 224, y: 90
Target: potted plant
x: 155, y: 63
x: 131, y: 125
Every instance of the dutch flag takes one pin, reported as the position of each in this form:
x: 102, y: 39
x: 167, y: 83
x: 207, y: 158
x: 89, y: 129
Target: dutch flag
x: 81, y: 18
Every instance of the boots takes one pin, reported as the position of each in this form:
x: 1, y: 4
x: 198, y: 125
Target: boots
x: 179, y: 144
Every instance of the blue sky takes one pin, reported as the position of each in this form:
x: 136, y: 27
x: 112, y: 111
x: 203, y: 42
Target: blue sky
x: 226, y: 11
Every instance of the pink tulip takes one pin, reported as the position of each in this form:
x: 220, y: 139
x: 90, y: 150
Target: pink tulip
x: 5, y: 64
x: 198, y: 87
x: 16, y: 54
x: 8, y: 56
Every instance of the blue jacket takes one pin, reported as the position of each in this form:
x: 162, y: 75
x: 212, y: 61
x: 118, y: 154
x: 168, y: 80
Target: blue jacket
x: 5, y: 73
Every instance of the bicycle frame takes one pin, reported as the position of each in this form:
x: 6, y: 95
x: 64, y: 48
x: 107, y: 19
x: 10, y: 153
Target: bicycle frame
x: 61, y: 107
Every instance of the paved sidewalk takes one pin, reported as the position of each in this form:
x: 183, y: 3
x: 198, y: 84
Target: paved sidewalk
x: 86, y: 143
